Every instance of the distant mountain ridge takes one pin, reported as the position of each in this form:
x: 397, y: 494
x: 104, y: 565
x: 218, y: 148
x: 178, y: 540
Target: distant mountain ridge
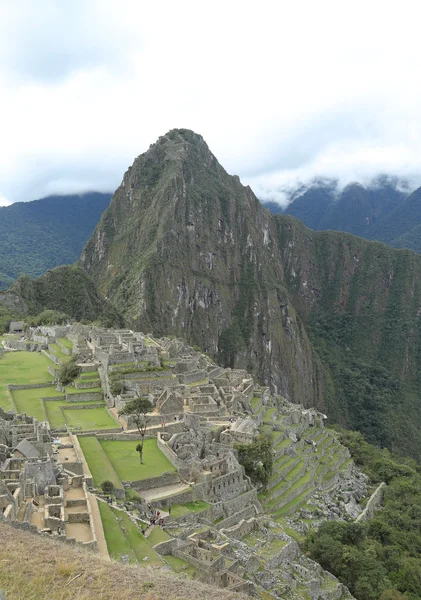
x: 43, y: 234
x: 379, y: 211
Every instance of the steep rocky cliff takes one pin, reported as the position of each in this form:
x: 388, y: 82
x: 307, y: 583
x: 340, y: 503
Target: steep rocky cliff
x: 325, y: 318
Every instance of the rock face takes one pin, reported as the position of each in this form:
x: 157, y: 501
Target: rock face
x: 185, y: 248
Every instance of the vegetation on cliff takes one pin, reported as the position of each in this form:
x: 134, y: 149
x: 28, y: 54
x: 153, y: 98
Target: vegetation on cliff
x: 381, y: 557
x: 64, y: 292
x: 43, y: 234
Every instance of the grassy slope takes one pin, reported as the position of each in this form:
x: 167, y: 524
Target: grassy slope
x: 125, y: 460
x: 22, y: 368
x: 38, y: 568
x: 98, y: 462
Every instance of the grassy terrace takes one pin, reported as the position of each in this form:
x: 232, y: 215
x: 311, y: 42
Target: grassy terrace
x: 21, y: 368
x: 66, y: 343
x: 56, y: 350
x: 90, y: 418
x: 130, y: 542
x: 30, y: 401
x: 98, y: 462
x: 72, y: 390
x: 178, y: 510
x: 255, y: 402
x: 125, y: 459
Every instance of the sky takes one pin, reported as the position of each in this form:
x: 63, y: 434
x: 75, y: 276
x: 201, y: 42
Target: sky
x: 281, y: 91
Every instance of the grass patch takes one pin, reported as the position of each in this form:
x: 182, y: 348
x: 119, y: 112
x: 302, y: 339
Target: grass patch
x: 21, y: 368
x: 178, y: 510
x: 255, y: 402
x: 125, y: 459
x: 58, y: 353
x: 117, y: 543
x: 90, y: 418
x: 98, y: 462
x: 66, y: 343
x: 72, y: 390
x: 158, y: 535
x: 30, y: 400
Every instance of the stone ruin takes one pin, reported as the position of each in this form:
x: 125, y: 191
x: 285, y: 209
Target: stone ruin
x: 201, y: 411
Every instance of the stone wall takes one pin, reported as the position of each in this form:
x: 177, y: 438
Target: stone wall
x: 244, y: 527
x: 87, y: 383
x: 79, y: 517
x: 84, y: 396
x: 169, y: 453
x: 154, y: 482
x: 25, y: 345
x: 194, y: 377
x: 13, y: 386
x: 290, y: 551
x: 373, y: 503
x: 179, y: 498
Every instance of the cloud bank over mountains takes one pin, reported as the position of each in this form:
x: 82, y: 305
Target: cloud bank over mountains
x: 282, y: 92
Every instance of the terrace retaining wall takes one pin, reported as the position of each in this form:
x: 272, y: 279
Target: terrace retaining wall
x: 154, y: 482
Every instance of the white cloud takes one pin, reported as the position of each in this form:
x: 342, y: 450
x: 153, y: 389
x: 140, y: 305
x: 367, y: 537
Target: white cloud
x: 282, y: 92
x: 4, y: 201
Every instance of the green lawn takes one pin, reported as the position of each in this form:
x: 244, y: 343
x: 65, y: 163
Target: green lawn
x: 130, y: 542
x: 55, y: 414
x: 90, y: 418
x: 56, y: 350
x: 98, y: 462
x: 29, y: 401
x: 178, y: 510
x: 73, y: 390
x: 23, y: 368
x: 117, y: 542
x: 66, y: 343
x: 158, y: 535
x: 125, y: 459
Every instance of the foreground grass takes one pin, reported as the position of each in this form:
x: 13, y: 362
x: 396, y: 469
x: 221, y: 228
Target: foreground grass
x: 21, y: 368
x: 39, y: 568
x: 125, y: 459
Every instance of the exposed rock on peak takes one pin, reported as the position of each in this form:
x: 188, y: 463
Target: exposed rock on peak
x: 185, y: 248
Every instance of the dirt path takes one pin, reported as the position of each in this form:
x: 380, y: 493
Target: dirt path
x: 99, y: 531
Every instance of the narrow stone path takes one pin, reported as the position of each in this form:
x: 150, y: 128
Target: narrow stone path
x: 97, y: 522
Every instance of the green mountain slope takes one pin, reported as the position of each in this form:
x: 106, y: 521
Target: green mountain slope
x: 67, y: 289
x: 324, y: 318
x: 40, y: 235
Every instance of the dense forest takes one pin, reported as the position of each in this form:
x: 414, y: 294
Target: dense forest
x: 43, y: 234
x: 379, y: 558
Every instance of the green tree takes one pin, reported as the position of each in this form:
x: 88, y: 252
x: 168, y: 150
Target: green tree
x: 68, y: 371
x: 139, y: 408
x: 257, y: 458
x: 107, y: 487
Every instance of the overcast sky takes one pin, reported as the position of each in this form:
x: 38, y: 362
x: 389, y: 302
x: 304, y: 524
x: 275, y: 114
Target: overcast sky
x: 281, y: 91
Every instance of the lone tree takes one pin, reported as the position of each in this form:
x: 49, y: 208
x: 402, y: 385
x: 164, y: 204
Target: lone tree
x: 107, y: 487
x: 138, y: 409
